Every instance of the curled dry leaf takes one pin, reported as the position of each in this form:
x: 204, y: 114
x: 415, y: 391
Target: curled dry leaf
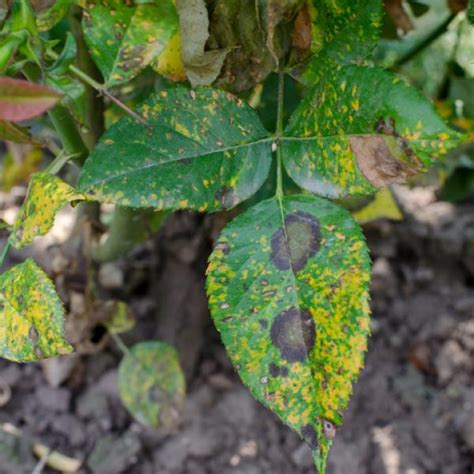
x: 23, y: 100
x: 202, y: 67
x: 399, y: 15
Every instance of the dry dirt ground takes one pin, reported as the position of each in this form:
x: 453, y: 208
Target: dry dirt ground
x: 412, y: 411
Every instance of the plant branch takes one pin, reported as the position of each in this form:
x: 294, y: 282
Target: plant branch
x: 425, y: 42
x: 101, y: 89
x: 279, y: 132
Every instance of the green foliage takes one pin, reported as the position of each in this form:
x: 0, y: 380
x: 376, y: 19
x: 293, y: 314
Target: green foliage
x: 288, y: 290
x: 359, y: 129
x: 32, y: 315
x: 151, y: 384
x: 124, y: 39
x: 288, y: 278
x: 342, y: 32
x: 211, y: 156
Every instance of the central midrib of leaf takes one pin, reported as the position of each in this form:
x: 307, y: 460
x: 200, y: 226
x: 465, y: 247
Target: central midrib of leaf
x: 182, y: 158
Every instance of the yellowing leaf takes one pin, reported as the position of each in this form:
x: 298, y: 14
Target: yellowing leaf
x: 383, y: 206
x: 121, y: 319
x: 46, y: 195
x: 169, y: 63
x: 18, y: 167
x: 151, y: 384
x: 31, y: 315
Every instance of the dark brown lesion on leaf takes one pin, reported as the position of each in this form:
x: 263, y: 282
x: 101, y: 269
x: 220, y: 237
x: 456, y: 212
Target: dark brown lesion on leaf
x: 329, y: 429
x: 386, y: 157
x: 278, y: 370
x: 301, y: 241
x: 227, y: 197
x: 293, y: 332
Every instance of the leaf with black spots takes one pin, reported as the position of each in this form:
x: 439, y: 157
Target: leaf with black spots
x: 205, y: 150
x: 360, y: 129
x: 31, y: 315
x: 288, y: 288
x: 124, y: 39
x: 152, y: 386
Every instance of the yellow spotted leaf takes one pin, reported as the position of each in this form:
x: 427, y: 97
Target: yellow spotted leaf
x: 121, y: 319
x: 46, y: 195
x: 151, y: 384
x: 288, y: 285
x: 31, y: 315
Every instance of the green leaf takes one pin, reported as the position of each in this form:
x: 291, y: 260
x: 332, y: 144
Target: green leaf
x: 31, y: 315
x: 46, y: 195
x: 22, y: 100
x: 206, y: 150
x: 152, y: 385
x: 343, y: 32
x: 49, y: 17
x: 470, y: 12
x: 288, y: 290
x: 359, y: 129
x: 123, y: 39
x: 66, y: 57
x: 202, y: 67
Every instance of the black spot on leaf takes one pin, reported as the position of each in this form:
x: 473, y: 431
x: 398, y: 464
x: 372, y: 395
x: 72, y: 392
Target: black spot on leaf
x: 294, y: 333
x: 301, y: 242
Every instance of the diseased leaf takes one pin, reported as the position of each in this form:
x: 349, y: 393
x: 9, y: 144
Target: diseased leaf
x: 211, y: 155
x: 169, y: 63
x: 359, y: 129
x: 257, y: 34
x: 22, y: 100
x: 152, y: 385
x: 14, y: 133
x: 19, y: 163
x: 46, y: 195
x: 124, y: 39
x: 288, y: 290
x: 202, y: 67
x: 52, y: 15
x: 344, y: 32
x: 121, y: 319
x: 383, y: 205
x: 31, y: 315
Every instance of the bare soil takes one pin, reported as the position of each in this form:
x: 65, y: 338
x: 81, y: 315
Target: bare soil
x: 412, y: 411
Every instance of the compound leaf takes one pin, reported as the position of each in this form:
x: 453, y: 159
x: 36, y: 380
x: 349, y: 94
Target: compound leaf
x: 152, y: 385
x: 22, y: 100
x: 343, y: 32
x: 124, y: 39
x: 31, y: 315
x: 206, y: 150
x: 46, y: 195
x: 288, y: 290
x: 359, y: 129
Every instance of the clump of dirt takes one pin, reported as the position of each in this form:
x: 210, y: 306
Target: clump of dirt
x: 412, y: 410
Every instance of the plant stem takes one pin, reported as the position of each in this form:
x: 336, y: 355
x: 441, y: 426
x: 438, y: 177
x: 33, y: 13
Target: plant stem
x: 120, y: 344
x: 278, y: 134
x: 63, y: 123
x: 4, y: 253
x: 425, y: 42
x: 101, y: 89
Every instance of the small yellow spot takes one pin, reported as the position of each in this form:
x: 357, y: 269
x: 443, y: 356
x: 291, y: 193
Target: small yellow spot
x: 355, y: 105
